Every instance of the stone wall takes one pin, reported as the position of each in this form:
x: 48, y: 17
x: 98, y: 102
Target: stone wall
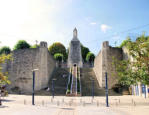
x: 24, y: 61
x: 103, y: 63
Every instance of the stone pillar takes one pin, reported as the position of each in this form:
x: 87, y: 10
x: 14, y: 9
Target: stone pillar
x: 43, y: 67
x: 105, y: 48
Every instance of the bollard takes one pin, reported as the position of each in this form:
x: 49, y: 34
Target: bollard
x: 132, y: 101
x: 24, y: 102
x: 80, y: 100
x: 51, y: 100
x: 63, y: 100
x: 58, y: 103
x: 116, y: 103
x: 72, y: 100
x: 119, y: 101
x: 92, y: 100
x: 97, y: 103
x: 83, y: 103
x: 42, y: 102
x: 69, y: 103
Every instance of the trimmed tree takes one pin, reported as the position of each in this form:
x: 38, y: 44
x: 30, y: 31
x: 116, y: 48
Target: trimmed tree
x: 57, y: 47
x: 58, y: 57
x: 84, y: 51
x: 21, y: 44
x: 90, y: 57
x: 5, y: 50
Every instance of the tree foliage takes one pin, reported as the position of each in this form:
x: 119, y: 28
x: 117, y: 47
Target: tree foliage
x: 139, y: 50
x: 90, y: 57
x: 125, y: 42
x: 126, y: 76
x: 84, y: 51
x: 58, y: 57
x: 136, y: 69
x: 35, y: 46
x: 57, y: 47
x: 21, y: 44
x: 3, y: 75
x: 5, y: 50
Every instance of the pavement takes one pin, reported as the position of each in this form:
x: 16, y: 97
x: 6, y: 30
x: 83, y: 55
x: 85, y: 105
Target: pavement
x: 62, y: 105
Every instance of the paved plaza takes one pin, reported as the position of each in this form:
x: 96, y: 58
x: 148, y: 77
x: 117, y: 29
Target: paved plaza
x: 61, y: 105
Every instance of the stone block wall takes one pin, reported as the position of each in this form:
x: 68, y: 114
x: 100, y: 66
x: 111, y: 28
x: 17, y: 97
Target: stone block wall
x: 103, y: 63
x: 24, y: 61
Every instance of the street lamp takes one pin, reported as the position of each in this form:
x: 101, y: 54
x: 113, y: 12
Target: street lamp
x: 107, y: 101
x: 92, y: 88
x: 53, y: 87
x: 33, y: 92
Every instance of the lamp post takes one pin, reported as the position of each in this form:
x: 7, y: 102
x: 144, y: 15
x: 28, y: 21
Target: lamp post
x: 33, y: 91
x: 0, y: 98
x: 107, y: 100
x: 53, y: 87
x: 93, y: 88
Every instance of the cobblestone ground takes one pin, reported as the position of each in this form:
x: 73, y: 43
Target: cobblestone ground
x: 44, y: 105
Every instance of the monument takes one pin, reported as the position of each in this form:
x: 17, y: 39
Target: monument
x: 75, y: 57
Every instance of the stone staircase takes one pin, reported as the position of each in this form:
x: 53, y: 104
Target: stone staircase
x: 86, y: 83
x: 60, y: 84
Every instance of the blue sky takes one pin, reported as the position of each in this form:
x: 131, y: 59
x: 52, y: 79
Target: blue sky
x: 54, y: 20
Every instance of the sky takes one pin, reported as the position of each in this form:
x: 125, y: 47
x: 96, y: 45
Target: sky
x: 54, y: 21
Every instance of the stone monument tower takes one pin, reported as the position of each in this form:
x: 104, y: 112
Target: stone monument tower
x: 75, y: 57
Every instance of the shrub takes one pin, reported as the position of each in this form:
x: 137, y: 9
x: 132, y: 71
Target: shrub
x: 84, y: 51
x: 58, y: 57
x: 21, y: 44
x: 5, y: 50
x: 90, y: 57
x: 57, y: 47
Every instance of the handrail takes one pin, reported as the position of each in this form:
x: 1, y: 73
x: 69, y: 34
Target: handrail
x: 69, y: 79
x: 80, y: 83
x: 76, y: 80
x: 72, y: 80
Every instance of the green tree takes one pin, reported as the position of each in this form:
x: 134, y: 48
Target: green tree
x: 58, y: 57
x: 3, y: 75
x: 136, y: 69
x: 125, y: 42
x: 35, y: 46
x: 5, y: 50
x: 21, y: 44
x: 57, y: 47
x: 124, y: 71
x: 139, y: 50
x: 90, y: 57
x: 84, y: 51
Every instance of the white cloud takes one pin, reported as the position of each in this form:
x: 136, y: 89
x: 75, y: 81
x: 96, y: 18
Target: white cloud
x: 93, y: 23
x: 105, y: 27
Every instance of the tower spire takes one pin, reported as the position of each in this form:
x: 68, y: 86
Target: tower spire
x: 75, y: 33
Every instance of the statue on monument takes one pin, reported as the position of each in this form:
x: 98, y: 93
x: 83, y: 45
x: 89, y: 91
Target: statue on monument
x: 75, y: 33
